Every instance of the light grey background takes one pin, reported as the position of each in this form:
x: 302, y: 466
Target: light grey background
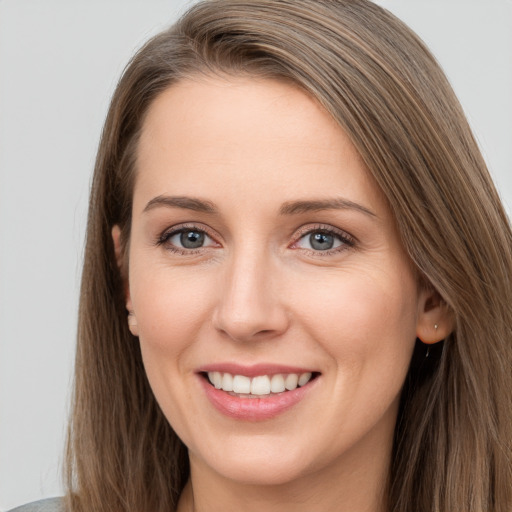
x: 59, y: 62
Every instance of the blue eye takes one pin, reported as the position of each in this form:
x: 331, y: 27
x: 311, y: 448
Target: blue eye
x: 320, y: 240
x: 190, y: 239
x: 186, y: 238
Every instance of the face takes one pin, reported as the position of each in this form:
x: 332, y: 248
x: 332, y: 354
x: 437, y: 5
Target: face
x: 275, y: 307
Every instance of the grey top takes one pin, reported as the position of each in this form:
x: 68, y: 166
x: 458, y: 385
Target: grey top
x: 47, y: 505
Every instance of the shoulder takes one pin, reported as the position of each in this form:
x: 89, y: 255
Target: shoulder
x: 47, y: 505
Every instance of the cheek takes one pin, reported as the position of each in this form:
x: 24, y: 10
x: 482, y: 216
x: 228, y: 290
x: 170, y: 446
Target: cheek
x: 360, y: 317
x: 171, y: 306
x: 172, y: 309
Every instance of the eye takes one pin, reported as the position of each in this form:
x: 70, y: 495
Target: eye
x: 188, y: 239
x: 324, y: 240
x: 185, y: 239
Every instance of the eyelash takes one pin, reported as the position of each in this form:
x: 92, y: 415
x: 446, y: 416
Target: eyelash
x: 347, y: 241
x: 163, y: 239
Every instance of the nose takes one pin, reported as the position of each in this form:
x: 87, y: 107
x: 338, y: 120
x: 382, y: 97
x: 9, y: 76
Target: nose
x: 250, y: 305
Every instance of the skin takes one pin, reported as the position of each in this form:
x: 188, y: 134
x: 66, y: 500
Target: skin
x: 257, y: 292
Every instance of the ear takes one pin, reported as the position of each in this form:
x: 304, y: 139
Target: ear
x: 435, y: 318
x: 119, y: 252
x: 116, y: 238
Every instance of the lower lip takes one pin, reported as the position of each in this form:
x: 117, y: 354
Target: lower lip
x: 254, y: 409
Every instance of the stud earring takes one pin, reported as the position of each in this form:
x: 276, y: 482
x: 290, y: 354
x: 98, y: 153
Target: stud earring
x: 428, y: 346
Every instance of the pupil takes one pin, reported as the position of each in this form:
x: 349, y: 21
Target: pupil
x: 192, y: 239
x: 321, y: 241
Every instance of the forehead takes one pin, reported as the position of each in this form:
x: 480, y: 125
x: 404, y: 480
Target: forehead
x: 237, y: 133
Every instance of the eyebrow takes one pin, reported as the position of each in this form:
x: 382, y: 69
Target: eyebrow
x: 187, y: 203
x: 317, y: 205
x: 288, y: 208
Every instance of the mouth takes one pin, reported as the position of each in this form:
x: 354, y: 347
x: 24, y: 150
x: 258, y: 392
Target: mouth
x: 257, y: 393
x: 259, y: 386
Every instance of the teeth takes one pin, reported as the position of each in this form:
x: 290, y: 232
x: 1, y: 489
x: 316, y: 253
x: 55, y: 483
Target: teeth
x: 304, y: 378
x: 227, y: 382
x: 241, y: 384
x: 217, y: 380
x: 291, y: 381
x: 277, y: 384
x: 260, y: 385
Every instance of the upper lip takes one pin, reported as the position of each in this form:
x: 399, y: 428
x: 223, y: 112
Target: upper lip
x: 252, y: 370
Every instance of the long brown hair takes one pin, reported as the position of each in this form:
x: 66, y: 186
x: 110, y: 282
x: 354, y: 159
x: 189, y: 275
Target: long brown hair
x: 375, y: 77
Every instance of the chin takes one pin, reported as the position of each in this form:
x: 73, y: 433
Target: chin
x: 257, y: 467
x: 263, y: 474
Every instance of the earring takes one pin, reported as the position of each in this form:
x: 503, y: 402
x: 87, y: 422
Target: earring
x: 428, y: 346
x: 132, y: 323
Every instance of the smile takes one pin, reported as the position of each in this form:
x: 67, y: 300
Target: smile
x: 256, y: 393
x: 259, y: 386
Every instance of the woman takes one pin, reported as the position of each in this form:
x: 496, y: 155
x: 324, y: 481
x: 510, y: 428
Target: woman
x: 296, y: 290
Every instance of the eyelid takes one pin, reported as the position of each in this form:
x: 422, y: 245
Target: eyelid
x: 347, y: 239
x: 169, y: 232
x: 319, y: 226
